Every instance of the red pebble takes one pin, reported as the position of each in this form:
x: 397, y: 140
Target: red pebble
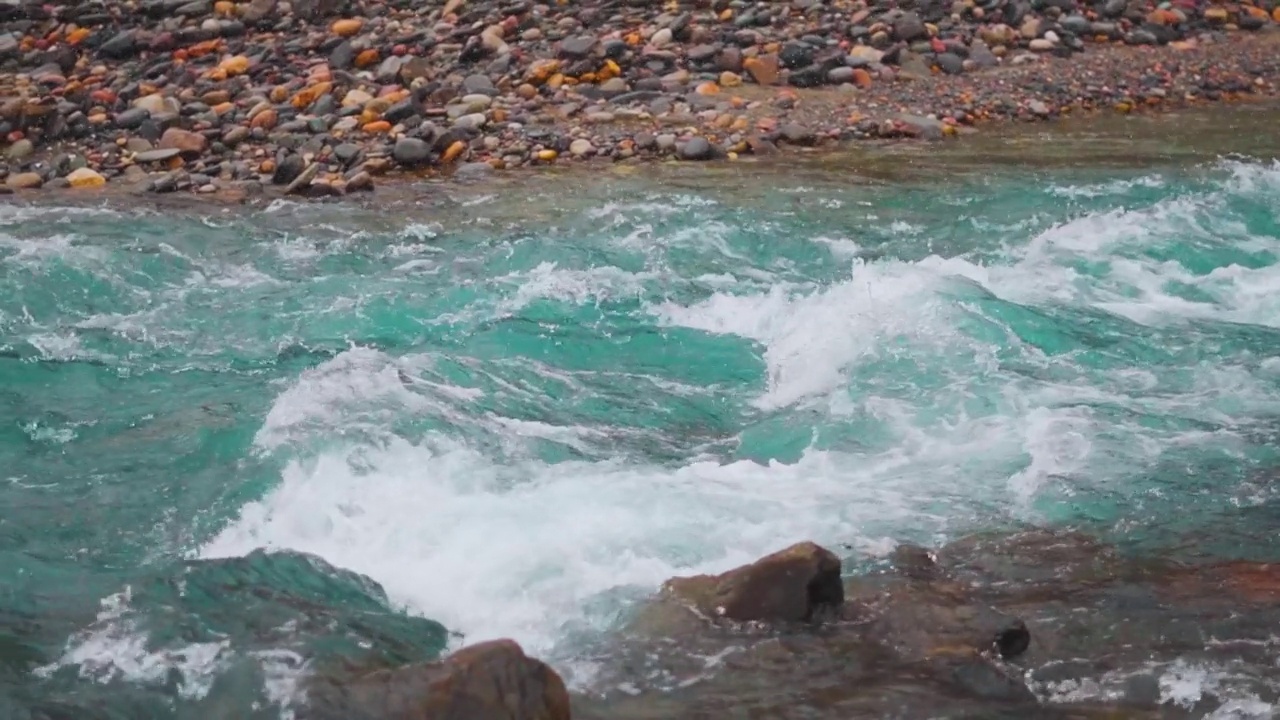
x: 937, y: 45
x: 400, y: 50
x: 42, y: 44
x: 14, y: 136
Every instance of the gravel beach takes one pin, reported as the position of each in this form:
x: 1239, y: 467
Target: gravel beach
x: 320, y: 98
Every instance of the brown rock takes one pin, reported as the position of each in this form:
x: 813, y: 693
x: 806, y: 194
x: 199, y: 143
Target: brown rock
x: 489, y: 681
x: 346, y: 28
x: 789, y: 585
x: 763, y: 69
x: 924, y: 620
x: 258, y: 10
x: 188, y: 143
x: 266, y: 119
x: 25, y: 181
x: 85, y: 178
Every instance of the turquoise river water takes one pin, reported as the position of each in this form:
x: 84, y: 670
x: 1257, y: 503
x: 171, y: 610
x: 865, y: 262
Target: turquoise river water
x: 236, y: 442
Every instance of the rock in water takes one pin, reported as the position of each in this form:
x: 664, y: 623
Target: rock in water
x: 790, y: 585
x: 489, y: 681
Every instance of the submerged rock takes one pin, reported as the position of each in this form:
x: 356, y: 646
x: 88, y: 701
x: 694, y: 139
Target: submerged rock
x: 489, y: 681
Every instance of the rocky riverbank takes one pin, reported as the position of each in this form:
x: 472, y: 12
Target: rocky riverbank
x: 320, y: 97
x: 1043, y: 624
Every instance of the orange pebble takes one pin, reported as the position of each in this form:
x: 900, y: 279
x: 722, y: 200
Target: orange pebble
x: 454, y: 151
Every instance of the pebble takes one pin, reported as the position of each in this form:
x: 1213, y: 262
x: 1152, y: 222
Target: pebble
x: 85, y: 178
x: 581, y: 148
x: 20, y: 150
x: 411, y: 152
x: 161, y: 155
x: 697, y: 148
x: 25, y: 181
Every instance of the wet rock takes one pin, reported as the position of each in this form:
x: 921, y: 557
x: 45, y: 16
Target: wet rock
x: 25, y: 181
x: 288, y: 169
x: 411, y: 152
x: 926, y: 620
x: 481, y: 682
x: 361, y: 181
x: 20, y: 150
x: 303, y: 180
x: 85, y: 178
x: 152, y: 156
x: 797, y: 134
x: 793, y: 584
x: 982, y: 679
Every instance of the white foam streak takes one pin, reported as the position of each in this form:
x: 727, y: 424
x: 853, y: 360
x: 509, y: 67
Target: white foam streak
x: 812, y: 337
x: 113, y: 648
x: 358, y: 393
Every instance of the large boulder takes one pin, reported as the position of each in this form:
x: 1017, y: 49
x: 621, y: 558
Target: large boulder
x: 488, y: 681
x: 793, y: 585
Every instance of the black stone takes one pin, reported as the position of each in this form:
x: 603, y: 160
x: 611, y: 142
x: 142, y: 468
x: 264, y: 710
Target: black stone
x: 288, y: 169
x: 121, y: 47
x: 796, y: 55
x: 808, y: 77
x: 133, y: 118
x: 950, y: 63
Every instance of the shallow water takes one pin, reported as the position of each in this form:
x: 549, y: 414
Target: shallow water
x: 514, y: 410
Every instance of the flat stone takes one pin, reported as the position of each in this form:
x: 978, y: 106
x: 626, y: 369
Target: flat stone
x: 581, y: 147
x: 796, y: 134
x: 473, y: 84
x: 187, y: 142
x: 133, y: 118
x: 304, y: 179
x: 577, y: 47
x: 150, y: 156
x: 473, y: 121
x: 837, y: 76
